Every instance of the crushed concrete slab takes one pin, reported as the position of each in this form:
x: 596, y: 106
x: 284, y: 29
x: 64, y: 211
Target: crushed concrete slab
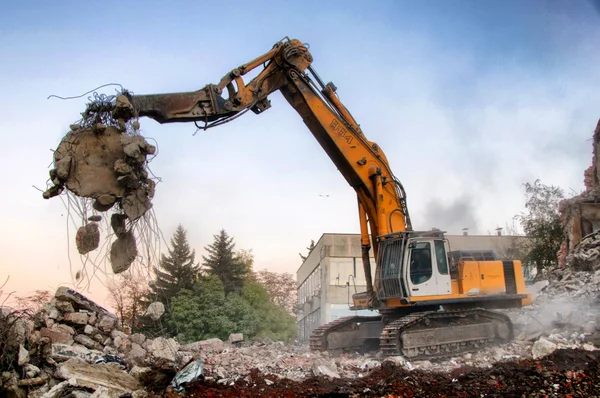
x: 543, y: 347
x: 78, y: 300
x: 64, y: 352
x: 95, y: 376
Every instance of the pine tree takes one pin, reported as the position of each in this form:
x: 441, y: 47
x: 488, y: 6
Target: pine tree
x: 223, y: 262
x: 176, y: 271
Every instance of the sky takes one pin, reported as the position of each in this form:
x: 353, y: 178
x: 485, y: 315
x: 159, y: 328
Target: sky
x: 469, y: 100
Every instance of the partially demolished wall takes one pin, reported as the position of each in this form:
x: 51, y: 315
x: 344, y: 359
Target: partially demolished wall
x: 581, y: 219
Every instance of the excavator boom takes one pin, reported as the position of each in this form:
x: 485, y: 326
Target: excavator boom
x: 286, y: 68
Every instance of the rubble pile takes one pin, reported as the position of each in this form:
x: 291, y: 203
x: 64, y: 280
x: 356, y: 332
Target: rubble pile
x: 73, y: 344
x: 565, y: 373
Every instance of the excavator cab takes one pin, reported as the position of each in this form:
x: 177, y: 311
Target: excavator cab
x: 412, y: 264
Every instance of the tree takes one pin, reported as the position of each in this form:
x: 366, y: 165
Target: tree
x: 246, y: 257
x: 541, y: 224
x: 206, y: 311
x: 309, y: 248
x: 280, y: 287
x: 32, y: 303
x: 223, y: 262
x: 127, y: 293
x: 273, y: 322
x: 176, y: 271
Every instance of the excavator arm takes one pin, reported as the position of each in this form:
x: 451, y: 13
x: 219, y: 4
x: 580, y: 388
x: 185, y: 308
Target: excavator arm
x: 286, y: 68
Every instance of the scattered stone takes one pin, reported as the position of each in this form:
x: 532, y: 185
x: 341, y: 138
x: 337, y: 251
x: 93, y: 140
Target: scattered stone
x: 324, y: 370
x: 236, y: 338
x: 88, y: 342
x: 123, y: 252
x: 107, y: 323
x: 117, y: 223
x: 23, y: 356
x: 95, y: 376
x: 76, y: 318
x: 64, y: 306
x: 63, y: 352
x: 31, y: 370
x: 209, y: 346
x: 155, y: 310
x: 87, y: 238
x: 78, y: 300
x: 57, y: 336
x: 89, y: 329
x: 137, y: 338
x: 164, y: 348
x: 543, y: 347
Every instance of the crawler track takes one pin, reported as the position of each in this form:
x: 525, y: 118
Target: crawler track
x: 318, y: 338
x: 427, y: 335
x: 494, y: 328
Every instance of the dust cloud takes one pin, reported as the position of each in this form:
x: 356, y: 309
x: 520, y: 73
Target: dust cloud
x: 452, y: 216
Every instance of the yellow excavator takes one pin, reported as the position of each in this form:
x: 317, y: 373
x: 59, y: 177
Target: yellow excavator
x: 428, y: 303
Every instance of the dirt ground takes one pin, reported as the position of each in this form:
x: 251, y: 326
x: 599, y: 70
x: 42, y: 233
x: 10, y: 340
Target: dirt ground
x: 564, y: 373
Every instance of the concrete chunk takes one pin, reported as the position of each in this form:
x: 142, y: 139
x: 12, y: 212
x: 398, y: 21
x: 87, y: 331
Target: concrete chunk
x: 213, y: 345
x: 96, y: 376
x: 63, y: 352
x: 78, y: 300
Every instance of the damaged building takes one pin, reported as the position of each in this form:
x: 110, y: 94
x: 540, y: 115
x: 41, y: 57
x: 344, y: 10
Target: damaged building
x: 580, y: 217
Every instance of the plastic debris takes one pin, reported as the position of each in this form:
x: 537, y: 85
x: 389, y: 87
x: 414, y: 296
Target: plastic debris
x: 193, y: 371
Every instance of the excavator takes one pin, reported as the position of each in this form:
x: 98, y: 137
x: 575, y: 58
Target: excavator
x: 428, y: 304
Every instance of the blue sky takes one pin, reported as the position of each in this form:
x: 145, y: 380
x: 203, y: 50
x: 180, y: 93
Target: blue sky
x: 468, y: 99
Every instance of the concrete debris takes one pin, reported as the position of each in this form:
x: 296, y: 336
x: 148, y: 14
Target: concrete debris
x: 155, y: 310
x: 85, y: 347
x: 87, y: 238
x: 23, y: 357
x: 108, y: 165
x: 209, y: 346
x: 123, y: 252
x: 164, y: 348
x: 543, y: 347
x: 236, y: 338
x: 93, y: 376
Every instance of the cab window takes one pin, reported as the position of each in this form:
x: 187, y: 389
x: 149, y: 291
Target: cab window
x: 421, y: 269
x: 442, y: 259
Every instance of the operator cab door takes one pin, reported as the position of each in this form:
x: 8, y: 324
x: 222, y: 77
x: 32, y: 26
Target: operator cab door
x: 427, y: 271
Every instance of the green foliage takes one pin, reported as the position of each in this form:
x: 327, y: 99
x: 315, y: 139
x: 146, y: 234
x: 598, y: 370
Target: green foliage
x: 541, y: 223
x: 223, y: 262
x: 309, y: 248
x: 198, y: 314
x: 275, y: 323
x: 206, y: 312
x: 176, y: 271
